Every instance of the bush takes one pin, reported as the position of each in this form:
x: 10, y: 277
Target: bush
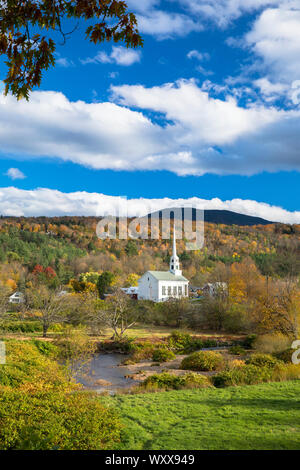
x: 250, y: 374
x: 142, y: 351
x: 183, y: 342
x: 272, y: 343
x: 56, y: 420
x: 45, y: 347
x: 248, y: 342
x: 124, y: 346
x: 26, y: 365
x: 21, y: 326
x: 284, y: 372
x: 41, y: 409
x: 167, y: 381
x: 162, y: 355
x: 285, y: 356
x: 244, y: 375
x: 262, y: 360
x: 237, y: 350
x: 203, y: 360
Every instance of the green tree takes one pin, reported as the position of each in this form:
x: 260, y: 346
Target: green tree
x: 26, y: 39
x: 104, y: 282
x: 131, y: 248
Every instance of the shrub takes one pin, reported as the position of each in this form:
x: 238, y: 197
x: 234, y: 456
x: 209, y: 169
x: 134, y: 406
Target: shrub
x: 26, y: 365
x: 45, y: 347
x: 203, y: 360
x: 124, y: 345
x: 162, y: 355
x: 244, y: 375
x: 56, y: 420
x: 272, y: 343
x: 142, y: 351
x: 21, y: 326
x: 262, y: 360
x: 237, y: 350
x: 235, y: 363
x: 248, y: 342
x: 285, y: 356
x: 284, y: 372
x: 182, y: 342
x: 173, y: 382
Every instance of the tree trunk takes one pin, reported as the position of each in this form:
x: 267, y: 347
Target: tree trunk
x: 45, y: 329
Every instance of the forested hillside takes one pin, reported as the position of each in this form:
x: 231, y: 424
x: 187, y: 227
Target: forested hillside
x: 69, y: 246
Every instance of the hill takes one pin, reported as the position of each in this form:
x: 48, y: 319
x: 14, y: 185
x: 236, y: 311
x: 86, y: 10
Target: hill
x: 215, y: 217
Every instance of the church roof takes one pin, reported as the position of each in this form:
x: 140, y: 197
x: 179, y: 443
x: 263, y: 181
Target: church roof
x: 166, y: 276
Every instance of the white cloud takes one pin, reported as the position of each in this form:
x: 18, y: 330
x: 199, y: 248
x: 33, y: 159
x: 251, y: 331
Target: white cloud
x: 64, y: 62
x: 119, y: 55
x: 201, y: 56
x: 165, y: 25
x: 223, y: 12
x: 275, y: 39
x: 49, y: 202
x: 15, y: 174
x: 195, y: 134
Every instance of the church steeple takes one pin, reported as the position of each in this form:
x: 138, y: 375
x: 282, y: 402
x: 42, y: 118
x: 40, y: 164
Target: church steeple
x: 174, y: 261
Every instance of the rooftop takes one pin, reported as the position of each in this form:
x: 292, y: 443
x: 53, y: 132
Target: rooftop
x: 166, y: 276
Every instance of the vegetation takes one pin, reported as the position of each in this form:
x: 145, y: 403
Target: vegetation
x: 162, y: 355
x: 26, y: 39
x: 41, y: 409
x: 203, y: 360
x: 265, y: 416
x: 165, y: 381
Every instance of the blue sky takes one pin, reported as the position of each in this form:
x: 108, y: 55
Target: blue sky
x: 208, y: 109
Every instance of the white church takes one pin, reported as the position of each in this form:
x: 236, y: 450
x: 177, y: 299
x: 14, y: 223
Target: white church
x: 159, y: 286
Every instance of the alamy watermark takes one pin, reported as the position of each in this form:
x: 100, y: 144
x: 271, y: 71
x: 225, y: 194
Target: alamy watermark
x: 295, y: 93
x: 296, y: 354
x: 2, y: 352
x: 188, y: 224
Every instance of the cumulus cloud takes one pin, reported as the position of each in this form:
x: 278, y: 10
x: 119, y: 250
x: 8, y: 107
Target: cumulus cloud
x: 119, y: 55
x: 223, y: 12
x: 15, y: 174
x: 49, y: 202
x: 166, y: 25
x: 195, y: 134
x: 275, y: 39
x: 271, y: 90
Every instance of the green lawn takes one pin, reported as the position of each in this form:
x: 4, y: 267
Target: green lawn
x: 265, y: 416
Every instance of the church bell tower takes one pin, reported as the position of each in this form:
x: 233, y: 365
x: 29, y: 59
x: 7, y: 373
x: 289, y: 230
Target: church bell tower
x: 174, y: 261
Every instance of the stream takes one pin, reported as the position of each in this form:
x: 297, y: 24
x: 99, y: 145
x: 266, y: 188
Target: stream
x: 103, y: 374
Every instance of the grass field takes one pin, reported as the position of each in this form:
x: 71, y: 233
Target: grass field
x: 265, y: 416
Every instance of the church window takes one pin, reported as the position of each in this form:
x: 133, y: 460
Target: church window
x: 175, y: 290
x: 163, y: 290
x: 169, y: 290
x: 186, y: 289
x: 179, y: 290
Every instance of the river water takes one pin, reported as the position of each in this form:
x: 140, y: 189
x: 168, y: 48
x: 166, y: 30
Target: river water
x: 103, y: 374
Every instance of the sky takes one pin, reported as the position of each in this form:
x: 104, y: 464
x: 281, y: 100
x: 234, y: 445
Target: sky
x: 207, y: 112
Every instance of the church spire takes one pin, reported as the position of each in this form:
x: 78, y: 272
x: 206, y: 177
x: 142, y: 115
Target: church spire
x: 174, y: 261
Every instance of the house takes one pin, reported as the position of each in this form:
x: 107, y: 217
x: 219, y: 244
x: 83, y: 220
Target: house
x: 215, y: 289
x: 159, y: 286
x: 132, y: 292
x: 17, y: 298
